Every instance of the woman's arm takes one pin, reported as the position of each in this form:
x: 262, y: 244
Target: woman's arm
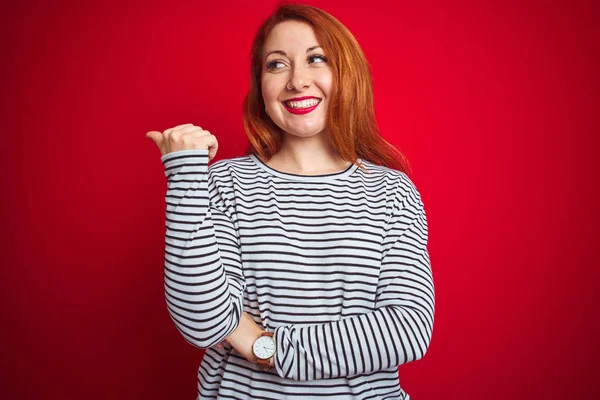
x: 398, y: 330
x: 204, y: 283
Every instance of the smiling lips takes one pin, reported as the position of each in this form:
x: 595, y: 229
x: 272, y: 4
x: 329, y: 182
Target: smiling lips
x: 301, y: 105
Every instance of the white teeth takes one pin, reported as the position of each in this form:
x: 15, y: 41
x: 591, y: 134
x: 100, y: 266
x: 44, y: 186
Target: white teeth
x: 303, y: 103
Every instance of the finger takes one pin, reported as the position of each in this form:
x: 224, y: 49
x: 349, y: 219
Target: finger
x: 212, y: 152
x: 195, y: 132
x: 179, y: 127
x: 174, y: 134
x: 209, y: 139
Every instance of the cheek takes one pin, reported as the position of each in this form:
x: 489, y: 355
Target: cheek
x: 327, y: 85
x: 325, y: 82
x: 270, y: 90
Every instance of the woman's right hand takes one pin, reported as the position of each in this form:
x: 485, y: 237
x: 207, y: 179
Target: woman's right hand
x: 184, y: 137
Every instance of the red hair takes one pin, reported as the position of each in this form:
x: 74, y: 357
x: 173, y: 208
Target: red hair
x: 350, y: 120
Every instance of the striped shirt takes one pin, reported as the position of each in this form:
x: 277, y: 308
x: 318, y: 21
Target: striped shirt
x: 335, y: 265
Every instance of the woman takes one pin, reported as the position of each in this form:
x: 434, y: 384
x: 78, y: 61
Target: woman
x: 302, y: 267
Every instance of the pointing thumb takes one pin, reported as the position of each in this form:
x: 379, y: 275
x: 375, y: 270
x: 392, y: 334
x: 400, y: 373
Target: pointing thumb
x: 155, y: 136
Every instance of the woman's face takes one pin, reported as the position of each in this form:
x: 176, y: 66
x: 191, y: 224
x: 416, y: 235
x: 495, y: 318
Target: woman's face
x: 294, y: 66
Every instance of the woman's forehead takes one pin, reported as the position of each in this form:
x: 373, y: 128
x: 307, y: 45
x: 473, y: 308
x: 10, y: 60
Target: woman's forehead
x: 290, y: 35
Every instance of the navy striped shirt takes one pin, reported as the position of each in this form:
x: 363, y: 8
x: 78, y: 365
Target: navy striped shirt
x: 335, y: 265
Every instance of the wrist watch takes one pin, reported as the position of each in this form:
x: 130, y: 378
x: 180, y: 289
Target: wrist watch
x: 263, y: 349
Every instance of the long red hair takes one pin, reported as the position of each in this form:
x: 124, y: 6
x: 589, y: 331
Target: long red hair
x: 350, y: 120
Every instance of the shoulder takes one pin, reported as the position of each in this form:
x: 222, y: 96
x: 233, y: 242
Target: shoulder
x: 227, y: 167
x: 402, y: 185
x: 230, y: 164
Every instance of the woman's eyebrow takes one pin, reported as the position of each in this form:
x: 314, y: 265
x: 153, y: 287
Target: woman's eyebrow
x: 283, y: 52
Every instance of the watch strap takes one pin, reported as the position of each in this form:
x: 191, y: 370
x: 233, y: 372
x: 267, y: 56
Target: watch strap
x: 264, y: 363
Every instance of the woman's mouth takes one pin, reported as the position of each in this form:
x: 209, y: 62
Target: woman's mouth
x: 301, y: 107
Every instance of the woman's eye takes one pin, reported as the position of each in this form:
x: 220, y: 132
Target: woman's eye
x: 318, y: 56
x: 272, y: 65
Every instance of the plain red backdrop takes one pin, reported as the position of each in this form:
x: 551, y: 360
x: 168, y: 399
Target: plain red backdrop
x: 495, y: 104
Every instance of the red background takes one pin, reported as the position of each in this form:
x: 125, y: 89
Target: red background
x: 495, y: 104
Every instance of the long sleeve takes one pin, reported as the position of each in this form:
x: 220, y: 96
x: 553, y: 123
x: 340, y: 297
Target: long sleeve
x: 399, y: 328
x: 203, y: 277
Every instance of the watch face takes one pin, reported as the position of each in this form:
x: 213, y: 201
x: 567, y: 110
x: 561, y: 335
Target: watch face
x: 264, y: 347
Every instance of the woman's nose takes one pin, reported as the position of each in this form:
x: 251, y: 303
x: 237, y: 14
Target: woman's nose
x: 299, y: 79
